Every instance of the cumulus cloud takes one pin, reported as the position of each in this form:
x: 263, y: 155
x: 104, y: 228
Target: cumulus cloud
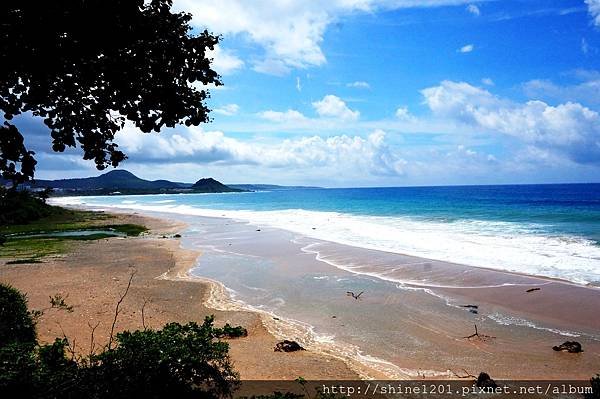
x: 227, y: 110
x: 473, y: 9
x: 334, y: 107
x: 570, y: 128
x: 404, y: 114
x: 466, y: 48
x: 341, y: 152
x: 487, y: 81
x: 224, y: 61
x: 594, y: 10
x: 359, y: 85
x: 289, y: 32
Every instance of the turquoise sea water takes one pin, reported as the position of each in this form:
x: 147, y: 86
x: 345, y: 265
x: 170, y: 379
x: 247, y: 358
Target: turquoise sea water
x: 547, y: 230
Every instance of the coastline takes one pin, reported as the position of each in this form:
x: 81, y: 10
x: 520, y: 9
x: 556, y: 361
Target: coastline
x: 519, y: 340
x: 325, y: 360
x: 92, y: 276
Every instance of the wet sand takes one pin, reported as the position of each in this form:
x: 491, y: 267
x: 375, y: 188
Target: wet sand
x: 410, y: 322
x: 93, y: 275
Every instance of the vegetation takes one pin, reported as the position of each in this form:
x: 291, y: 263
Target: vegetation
x: 595, y: 382
x: 183, y: 361
x: 18, y: 207
x: 123, y: 60
x: 31, y: 229
x: 229, y: 331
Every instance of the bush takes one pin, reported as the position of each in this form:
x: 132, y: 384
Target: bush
x: 595, y: 382
x: 228, y: 331
x: 17, y: 325
x: 182, y: 361
x: 21, y: 207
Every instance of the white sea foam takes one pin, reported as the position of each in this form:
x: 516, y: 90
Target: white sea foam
x: 515, y: 321
x: 496, y: 245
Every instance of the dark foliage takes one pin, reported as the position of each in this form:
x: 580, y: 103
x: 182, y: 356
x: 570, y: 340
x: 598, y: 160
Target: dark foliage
x: 228, y: 331
x: 87, y: 66
x: 181, y: 361
x: 17, y: 325
x: 21, y: 207
x: 595, y: 382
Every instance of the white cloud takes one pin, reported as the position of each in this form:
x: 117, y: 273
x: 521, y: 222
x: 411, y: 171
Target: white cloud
x: 359, y: 85
x: 272, y: 66
x: 227, y: 110
x: 594, y: 10
x: 298, y: 84
x: 404, y: 114
x: 334, y: 107
x: 224, y: 61
x: 473, y: 9
x: 353, y: 154
x: 487, y: 81
x: 585, y: 92
x: 466, y: 48
x: 289, y: 32
x: 283, y: 117
x: 570, y: 128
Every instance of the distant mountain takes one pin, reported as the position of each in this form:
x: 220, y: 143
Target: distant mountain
x: 113, y: 180
x: 268, y: 187
x: 210, y: 185
x: 125, y: 182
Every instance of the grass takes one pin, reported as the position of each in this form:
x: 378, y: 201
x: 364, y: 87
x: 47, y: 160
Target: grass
x: 61, y: 220
x: 131, y: 230
x: 30, y: 249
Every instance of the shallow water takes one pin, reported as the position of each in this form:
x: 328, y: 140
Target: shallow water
x: 545, y: 230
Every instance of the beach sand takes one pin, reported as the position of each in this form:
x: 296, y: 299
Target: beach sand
x: 420, y: 333
x: 94, y: 274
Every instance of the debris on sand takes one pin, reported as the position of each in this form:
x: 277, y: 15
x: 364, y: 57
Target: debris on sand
x: 569, y: 346
x: 288, y: 346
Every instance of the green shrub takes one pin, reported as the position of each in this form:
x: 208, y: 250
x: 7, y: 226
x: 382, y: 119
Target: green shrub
x: 21, y: 207
x: 182, y: 361
x: 228, y: 331
x: 17, y: 326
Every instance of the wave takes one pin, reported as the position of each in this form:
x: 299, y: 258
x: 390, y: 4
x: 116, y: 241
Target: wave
x: 508, y: 246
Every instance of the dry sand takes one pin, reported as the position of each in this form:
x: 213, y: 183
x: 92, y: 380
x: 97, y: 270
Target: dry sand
x: 93, y: 275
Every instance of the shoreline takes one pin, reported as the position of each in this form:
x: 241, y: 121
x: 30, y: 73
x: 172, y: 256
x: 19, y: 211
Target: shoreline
x: 92, y: 275
x: 376, y: 367
x: 219, y: 298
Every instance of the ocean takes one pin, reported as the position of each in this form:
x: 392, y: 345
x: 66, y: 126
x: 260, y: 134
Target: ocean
x: 542, y: 230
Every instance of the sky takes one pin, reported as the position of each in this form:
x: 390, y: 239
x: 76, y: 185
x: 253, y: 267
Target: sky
x: 350, y: 93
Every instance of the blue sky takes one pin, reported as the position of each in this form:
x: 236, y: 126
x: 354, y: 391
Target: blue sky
x: 384, y: 93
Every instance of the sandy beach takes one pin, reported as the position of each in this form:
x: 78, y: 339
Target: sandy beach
x: 94, y: 274
x: 412, y: 330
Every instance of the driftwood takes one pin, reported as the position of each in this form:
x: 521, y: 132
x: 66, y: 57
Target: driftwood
x: 353, y: 295
x: 466, y: 375
x: 481, y: 337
